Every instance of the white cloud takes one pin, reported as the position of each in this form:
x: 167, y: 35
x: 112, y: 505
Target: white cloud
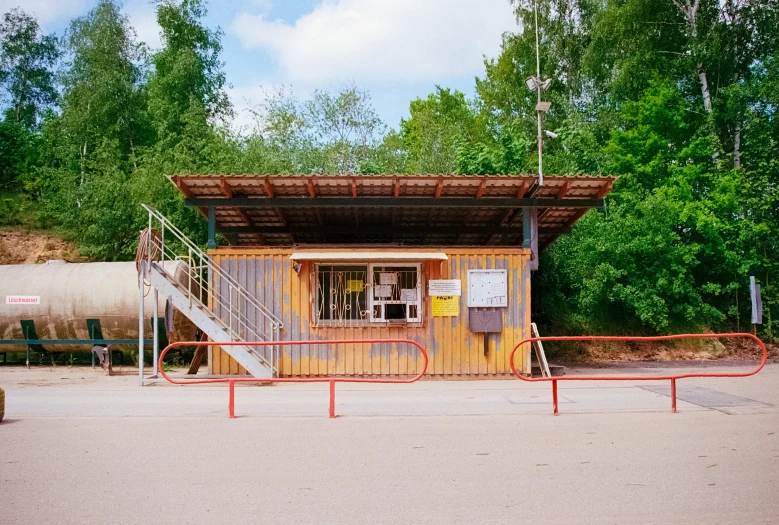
x: 49, y: 12
x: 381, y: 40
x: 143, y: 18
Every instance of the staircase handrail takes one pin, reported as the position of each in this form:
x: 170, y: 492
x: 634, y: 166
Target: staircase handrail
x: 214, y: 269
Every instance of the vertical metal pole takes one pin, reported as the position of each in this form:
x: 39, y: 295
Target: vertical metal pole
x: 27, y: 344
x: 540, y: 132
x: 231, y: 402
x: 332, y: 398
x: 673, y: 395
x: 156, y: 329
x: 148, y: 240
x: 140, y: 321
x: 554, y: 397
x: 211, y: 228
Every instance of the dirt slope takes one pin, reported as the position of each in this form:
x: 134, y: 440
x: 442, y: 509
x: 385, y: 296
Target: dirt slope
x: 34, y: 247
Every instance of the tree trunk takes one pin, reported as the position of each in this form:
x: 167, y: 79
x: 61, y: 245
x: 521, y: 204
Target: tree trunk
x: 704, y: 87
x: 737, y: 146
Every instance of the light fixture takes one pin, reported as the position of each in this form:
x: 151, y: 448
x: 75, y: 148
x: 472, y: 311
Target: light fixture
x: 550, y: 134
x: 297, y: 267
x: 533, y: 83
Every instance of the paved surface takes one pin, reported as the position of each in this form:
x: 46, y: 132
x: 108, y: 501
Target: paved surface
x: 79, y: 447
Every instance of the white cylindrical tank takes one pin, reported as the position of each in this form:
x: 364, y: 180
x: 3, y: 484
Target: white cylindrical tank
x: 61, y: 296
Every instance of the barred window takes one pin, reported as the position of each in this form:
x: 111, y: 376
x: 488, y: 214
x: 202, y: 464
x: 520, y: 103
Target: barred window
x: 358, y: 295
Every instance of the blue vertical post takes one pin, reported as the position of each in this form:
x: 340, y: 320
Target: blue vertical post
x: 211, y: 227
x: 527, y: 228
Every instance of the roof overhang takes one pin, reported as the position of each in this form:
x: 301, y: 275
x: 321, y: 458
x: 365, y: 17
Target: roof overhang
x: 368, y: 256
x: 405, y: 210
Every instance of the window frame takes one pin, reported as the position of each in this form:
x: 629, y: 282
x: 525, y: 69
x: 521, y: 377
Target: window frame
x: 371, y: 302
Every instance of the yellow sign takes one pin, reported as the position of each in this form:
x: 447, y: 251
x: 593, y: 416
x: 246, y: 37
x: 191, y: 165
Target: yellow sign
x: 445, y: 305
x: 355, y: 285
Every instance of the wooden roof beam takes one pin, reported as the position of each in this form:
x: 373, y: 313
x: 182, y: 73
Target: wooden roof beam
x: 566, y: 187
x: 604, y: 189
x: 268, y: 188
x: 225, y: 187
x: 347, y: 228
x: 245, y: 216
x: 182, y: 188
x: 482, y: 187
x: 575, y: 217
x: 523, y: 189
x: 410, y: 202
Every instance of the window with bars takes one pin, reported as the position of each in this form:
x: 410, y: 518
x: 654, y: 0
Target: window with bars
x: 366, y: 294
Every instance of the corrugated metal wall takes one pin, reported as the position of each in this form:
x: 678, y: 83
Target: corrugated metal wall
x: 453, y: 349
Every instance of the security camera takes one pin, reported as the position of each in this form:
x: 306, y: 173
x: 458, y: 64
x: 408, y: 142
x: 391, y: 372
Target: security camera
x: 551, y: 134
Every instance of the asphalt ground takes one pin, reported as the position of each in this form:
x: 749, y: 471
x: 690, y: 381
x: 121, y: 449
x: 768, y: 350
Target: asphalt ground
x: 80, y: 447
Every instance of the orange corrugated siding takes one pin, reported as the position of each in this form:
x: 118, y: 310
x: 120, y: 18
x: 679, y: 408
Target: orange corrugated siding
x: 454, y: 350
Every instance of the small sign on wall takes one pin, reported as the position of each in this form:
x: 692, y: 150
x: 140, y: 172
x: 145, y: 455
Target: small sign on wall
x: 22, y: 299
x: 445, y: 305
x: 408, y: 294
x: 445, y: 287
x: 382, y: 291
x: 388, y: 278
x: 355, y: 285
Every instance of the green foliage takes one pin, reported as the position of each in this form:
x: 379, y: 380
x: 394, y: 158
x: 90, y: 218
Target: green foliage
x: 188, y: 82
x: 436, y: 125
x: 27, y: 59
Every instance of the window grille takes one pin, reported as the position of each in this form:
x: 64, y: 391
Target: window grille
x: 396, y: 293
x: 360, y: 295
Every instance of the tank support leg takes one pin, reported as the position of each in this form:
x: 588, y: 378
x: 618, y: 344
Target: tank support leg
x: 156, y: 331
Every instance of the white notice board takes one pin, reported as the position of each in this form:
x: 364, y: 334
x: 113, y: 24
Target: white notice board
x: 487, y: 288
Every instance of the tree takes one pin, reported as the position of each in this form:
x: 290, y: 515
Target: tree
x: 92, y: 147
x: 345, y: 126
x: 27, y: 60
x: 188, y: 78
x: 434, y: 129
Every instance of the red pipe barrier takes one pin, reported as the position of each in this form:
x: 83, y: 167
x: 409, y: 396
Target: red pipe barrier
x: 331, y: 380
x: 672, y: 378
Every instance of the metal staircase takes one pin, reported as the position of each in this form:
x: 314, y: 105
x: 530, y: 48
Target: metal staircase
x: 209, y: 296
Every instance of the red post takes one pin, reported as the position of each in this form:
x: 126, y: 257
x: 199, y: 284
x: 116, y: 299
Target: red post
x: 332, y: 398
x: 554, y: 397
x: 673, y: 395
x: 231, y: 403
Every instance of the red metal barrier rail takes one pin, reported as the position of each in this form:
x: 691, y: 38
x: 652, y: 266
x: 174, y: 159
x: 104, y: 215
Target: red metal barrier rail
x: 332, y: 380
x: 672, y: 378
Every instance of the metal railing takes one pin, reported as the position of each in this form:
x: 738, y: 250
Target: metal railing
x: 209, y: 286
x: 672, y: 377
x: 231, y: 381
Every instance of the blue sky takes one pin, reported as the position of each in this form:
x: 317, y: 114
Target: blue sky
x: 398, y: 50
